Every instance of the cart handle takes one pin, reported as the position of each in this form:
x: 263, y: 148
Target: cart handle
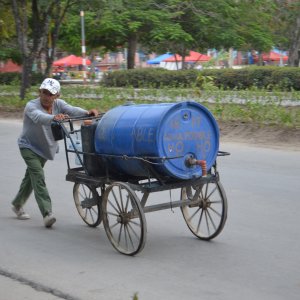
x: 79, y: 118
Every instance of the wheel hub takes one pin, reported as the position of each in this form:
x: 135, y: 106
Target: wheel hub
x: 123, y: 219
x: 205, y: 204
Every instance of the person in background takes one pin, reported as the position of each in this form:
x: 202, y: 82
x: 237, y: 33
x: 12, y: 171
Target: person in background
x: 37, y: 145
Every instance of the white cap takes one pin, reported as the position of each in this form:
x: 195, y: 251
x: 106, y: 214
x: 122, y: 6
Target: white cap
x: 52, y: 85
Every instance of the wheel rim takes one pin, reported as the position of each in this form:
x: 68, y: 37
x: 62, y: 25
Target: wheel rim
x: 124, y: 219
x: 206, y: 217
x: 87, y: 204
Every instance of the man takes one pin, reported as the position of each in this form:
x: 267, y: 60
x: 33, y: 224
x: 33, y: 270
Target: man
x: 37, y: 145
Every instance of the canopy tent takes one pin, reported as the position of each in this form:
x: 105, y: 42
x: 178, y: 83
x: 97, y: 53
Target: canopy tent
x: 71, y: 60
x: 10, y: 66
x: 158, y: 59
x: 274, y: 56
x: 192, y: 57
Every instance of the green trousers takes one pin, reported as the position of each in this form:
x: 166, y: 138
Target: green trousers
x: 34, y: 179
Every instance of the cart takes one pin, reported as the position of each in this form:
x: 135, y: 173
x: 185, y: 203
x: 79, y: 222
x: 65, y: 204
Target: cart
x: 113, y: 199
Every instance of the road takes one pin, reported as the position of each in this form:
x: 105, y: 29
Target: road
x: 255, y: 257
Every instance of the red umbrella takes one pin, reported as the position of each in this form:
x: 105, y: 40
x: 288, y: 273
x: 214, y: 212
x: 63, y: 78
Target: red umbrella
x: 71, y: 60
x: 192, y: 57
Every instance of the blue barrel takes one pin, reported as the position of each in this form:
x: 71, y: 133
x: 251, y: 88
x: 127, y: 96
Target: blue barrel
x: 172, y: 130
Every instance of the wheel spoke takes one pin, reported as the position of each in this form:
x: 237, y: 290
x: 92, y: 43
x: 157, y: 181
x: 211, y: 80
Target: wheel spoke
x: 118, y: 211
x: 116, y: 200
x: 216, y: 212
x: 206, y: 220
x: 94, y: 210
x: 120, y: 234
x: 130, y: 239
x: 135, y: 223
x: 193, y: 215
x: 207, y: 197
x: 114, y: 225
x: 91, y: 215
x: 219, y: 201
x: 121, y: 199
x: 200, y: 220
x: 133, y: 231
x: 112, y: 214
x: 211, y: 220
x: 125, y: 236
x: 206, y: 189
x: 127, y: 203
x: 84, y: 191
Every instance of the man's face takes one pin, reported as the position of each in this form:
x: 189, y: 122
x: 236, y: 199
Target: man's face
x: 47, y: 98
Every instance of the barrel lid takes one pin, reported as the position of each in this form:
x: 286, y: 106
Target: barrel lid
x: 188, y: 130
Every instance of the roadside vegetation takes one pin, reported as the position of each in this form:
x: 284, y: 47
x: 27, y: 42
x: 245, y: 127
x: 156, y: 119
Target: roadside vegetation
x: 275, y: 108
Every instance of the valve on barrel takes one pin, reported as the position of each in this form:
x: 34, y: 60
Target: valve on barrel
x: 191, y: 161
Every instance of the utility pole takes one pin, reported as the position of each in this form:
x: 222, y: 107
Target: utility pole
x: 83, y: 46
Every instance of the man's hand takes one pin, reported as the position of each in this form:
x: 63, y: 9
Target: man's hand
x: 60, y: 117
x: 93, y: 112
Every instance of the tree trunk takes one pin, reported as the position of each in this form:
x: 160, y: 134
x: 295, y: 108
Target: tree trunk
x: 26, y: 76
x: 50, y: 54
x: 132, y: 46
x: 183, y: 53
x: 295, y: 45
x: 59, y: 13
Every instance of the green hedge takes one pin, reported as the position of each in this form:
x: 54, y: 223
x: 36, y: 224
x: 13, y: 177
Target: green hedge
x: 155, y: 78
x: 270, y: 78
x: 15, y: 78
x: 10, y: 78
x: 282, y: 78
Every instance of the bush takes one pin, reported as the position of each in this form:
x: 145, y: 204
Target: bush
x: 285, y: 79
x: 260, y: 77
x: 15, y: 78
x: 9, y: 78
x: 154, y: 78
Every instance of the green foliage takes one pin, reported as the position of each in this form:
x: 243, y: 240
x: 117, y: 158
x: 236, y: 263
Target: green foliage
x: 155, y: 78
x: 270, y: 78
x: 286, y: 78
x: 14, y: 78
x: 70, y: 32
x: 256, y: 77
x: 11, y: 52
x: 7, y: 26
x: 10, y: 78
x: 171, y: 25
x: 205, y: 82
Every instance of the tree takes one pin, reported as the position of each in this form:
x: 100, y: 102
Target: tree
x: 204, y: 23
x: 8, y: 49
x: 219, y: 24
x: 131, y: 22
x: 171, y: 25
x: 33, y: 24
x: 287, y: 29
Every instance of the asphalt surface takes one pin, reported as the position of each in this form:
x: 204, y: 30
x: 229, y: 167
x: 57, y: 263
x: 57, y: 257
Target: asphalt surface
x: 256, y: 256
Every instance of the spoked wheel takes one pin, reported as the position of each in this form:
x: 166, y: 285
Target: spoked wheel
x: 207, y: 215
x: 88, y: 204
x: 123, y: 219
